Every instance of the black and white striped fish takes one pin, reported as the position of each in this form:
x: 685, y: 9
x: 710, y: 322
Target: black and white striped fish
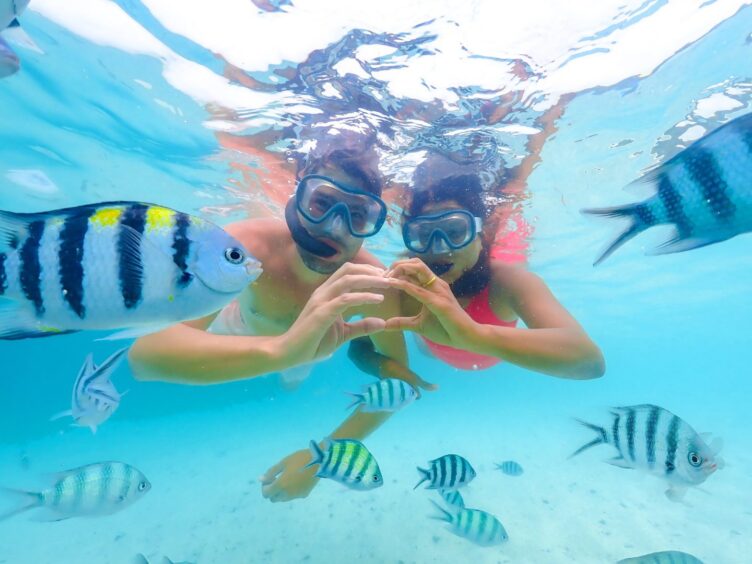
x: 452, y: 497
x: 510, y: 468
x: 653, y: 439
x: 348, y: 462
x: 475, y: 525
x: 389, y: 394
x: 95, y: 398
x: 664, y: 557
x: 114, y: 265
x: 705, y: 192
x: 93, y: 490
x: 449, y: 472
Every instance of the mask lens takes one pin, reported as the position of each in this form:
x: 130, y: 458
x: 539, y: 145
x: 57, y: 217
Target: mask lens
x: 457, y: 228
x: 319, y: 197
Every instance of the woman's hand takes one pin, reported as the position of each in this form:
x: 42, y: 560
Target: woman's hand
x: 289, y: 479
x: 320, y: 328
x: 441, y: 318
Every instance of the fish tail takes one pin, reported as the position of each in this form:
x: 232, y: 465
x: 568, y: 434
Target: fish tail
x: 29, y: 500
x: 425, y: 476
x: 358, y: 399
x: 639, y: 218
x: 444, y: 516
x: 601, y: 439
x: 317, y: 454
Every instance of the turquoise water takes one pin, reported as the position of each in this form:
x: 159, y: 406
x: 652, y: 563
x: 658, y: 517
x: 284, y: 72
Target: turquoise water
x: 108, y: 116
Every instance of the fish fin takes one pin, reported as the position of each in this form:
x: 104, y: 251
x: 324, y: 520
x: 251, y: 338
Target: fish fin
x: 444, y: 516
x: 17, y: 321
x: 679, y: 243
x: 602, y: 439
x: 14, y: 229
x: 66, y: 413
x: 28, y: 500
x: 619, y: 462
x: 425, y: 475
x: 93, y: 429
x: 317, y: 454
x: 676, y: 494
x: 716, y: 445
x: 139, y: 559
x: 634, y: 228
x: 14, y: 23
x: 135, y: 332
x: 104, y: 371
x: 359, y: 399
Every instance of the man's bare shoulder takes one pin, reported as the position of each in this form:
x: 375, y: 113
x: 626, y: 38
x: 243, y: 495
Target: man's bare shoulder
x: 260, y: 236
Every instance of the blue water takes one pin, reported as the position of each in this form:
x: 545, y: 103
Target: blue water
x: 106, y: 121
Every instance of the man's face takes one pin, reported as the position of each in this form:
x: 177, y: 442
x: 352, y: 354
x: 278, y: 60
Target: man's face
x: 333, y: 231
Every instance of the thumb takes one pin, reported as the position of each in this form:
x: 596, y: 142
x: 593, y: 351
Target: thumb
x: 361, y: 328
x: 269, y: 476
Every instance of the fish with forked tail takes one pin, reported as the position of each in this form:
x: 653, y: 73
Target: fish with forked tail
x: 448, y: 472
x: 95, y: 398
x: 664, y: 557
x: 705, y: 192
x: 653, y: 439
x: 475, y: 525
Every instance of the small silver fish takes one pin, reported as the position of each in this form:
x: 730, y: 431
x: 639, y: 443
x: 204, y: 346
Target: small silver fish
x: 114, y: 265
x: 510, y: 468
x: 664, y: 557
x: 704, y: 192
x: 96, y: 489
x: 653, y: 439
x: 389, y: 394
x: 450, y: 471
x: 9, y: 11
x: 475, y: 525
x: 348, y: 462
x: 95, y: 398
x: 452, y: 497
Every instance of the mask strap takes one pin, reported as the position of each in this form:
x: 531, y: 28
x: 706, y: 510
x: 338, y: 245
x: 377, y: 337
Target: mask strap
x: 301, y: 236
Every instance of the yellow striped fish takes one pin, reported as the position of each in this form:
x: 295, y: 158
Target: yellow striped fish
x: 114, y: 265
x: 348, y: 462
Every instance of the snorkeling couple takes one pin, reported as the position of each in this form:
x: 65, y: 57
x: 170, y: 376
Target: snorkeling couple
x: 456, y: 292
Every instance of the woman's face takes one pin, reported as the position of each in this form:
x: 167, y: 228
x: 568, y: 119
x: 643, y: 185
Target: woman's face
x: 450, y: 265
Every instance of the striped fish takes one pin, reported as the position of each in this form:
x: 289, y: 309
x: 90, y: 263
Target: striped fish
x: 389, y: 394
x: 650, y: 438
x: 665, y: 557
x: 452, y: 497
x: 510, y: 468
x: 705, y: 192
x: 115, y: 265
x: 450, y: 472
x: 348, y: 462
x: 93, y: 490
x: 473, y: 524
x: 95, y: 398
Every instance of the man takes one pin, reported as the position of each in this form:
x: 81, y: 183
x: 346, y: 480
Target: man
x: 316, y: 275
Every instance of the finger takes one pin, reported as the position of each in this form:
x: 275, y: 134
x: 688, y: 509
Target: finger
x: 424, y: 384
x: 355, y: 299
x: 363, y: 327
x: 350, y: 268
x: 352, y: 282
x: 274, y: 493
x: 423, y: 295
x: 270, y: 475
x: 403, y: 323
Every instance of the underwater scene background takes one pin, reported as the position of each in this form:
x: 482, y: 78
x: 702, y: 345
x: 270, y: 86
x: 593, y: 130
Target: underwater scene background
x: 155, y: 101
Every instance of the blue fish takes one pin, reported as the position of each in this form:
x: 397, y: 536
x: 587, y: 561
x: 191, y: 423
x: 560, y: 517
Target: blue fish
x: 448, y: 472
x: 95, y: 398
x: 665, y: 557
x: 510, y: 468
x: 9, y: 12
x: 704, y: 192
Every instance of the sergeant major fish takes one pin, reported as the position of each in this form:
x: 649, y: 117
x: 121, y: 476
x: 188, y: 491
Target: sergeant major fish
x: 664, y: 557
x: 92, y: 490
x: 114, y: 265
x: 348, y: 462
x: 9, y: 11
x: 510, y: 468
x: 95, y: 398
x: 475, y: 525
x: 705, y: 192
x: 450, y: 472
x: 653, y: 439
x: 389, y: 394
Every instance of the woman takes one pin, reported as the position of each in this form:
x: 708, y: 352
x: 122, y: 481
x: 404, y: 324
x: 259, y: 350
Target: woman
x: 466, y: 294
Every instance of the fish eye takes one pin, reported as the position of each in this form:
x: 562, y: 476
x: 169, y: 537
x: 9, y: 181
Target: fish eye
x: 234, y: 255
x: 694, y: 459
x: 142, y: 486
x: 375, y: 478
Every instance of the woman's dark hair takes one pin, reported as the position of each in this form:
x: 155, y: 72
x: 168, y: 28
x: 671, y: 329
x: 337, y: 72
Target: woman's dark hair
x: 438, y: 179
x: 351, y: 151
